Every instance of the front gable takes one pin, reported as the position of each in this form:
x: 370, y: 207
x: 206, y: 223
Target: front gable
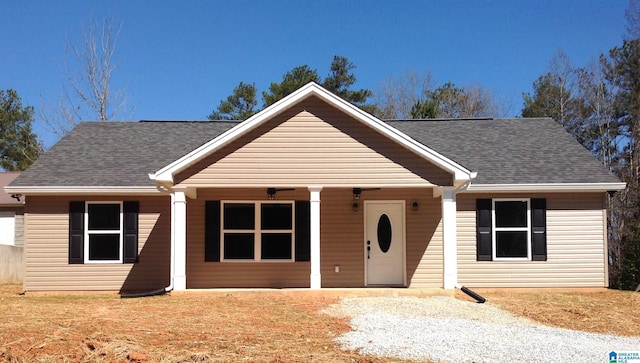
x: 281, y: 146
x: 313, y: 143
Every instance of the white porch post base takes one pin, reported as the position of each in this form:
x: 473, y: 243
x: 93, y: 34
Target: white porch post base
x: 450, y: 240
x: 179, y: 229
x: 315, y: 277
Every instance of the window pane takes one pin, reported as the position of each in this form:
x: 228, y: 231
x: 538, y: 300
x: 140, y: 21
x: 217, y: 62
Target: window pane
x: 239, y: 216
x: 276, y: 216
x: 238, y: 246
x: 104, y: 217
x: 104, y: 247
x: 276, y: 246
x: 511, y: 244
x: 511, y: 214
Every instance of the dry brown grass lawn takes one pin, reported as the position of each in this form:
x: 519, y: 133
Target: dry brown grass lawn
x: 182, y: 328
x: 244, y: 326
x: 592, y: 310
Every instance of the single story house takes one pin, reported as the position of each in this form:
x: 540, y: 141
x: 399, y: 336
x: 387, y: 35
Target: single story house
x: 314, y: 192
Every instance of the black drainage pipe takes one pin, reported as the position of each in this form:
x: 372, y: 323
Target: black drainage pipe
x: 478, y: 298
x: 126, y: 295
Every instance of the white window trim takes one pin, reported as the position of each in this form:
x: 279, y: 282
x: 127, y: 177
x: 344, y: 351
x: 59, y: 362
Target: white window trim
x: 86, y: 233
x: 495, y: 229
x: 257, y: 231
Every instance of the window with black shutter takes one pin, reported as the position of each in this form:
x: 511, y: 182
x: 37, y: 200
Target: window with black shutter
x: 511, y: 229
x: 103, y: 232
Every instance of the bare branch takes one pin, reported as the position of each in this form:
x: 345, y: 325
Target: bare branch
x: 397, y: 95
x: 89, y: 67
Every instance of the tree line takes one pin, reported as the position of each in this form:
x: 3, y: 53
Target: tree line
x: 411, y: 96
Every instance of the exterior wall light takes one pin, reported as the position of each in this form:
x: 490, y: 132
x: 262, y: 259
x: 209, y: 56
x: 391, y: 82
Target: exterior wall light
x: 355, y: 206
x: 356, y: 193
x: 415, y: 206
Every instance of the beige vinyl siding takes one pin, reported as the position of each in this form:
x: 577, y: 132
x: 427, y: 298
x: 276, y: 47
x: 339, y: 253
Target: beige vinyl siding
x: 47, y: 248
x: 341, y: 241
x: 313, y: 144
x: 424, y: 243
x: 576, y: 234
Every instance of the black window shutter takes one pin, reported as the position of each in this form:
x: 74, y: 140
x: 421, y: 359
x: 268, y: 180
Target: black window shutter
x: 303, y: 230
x: 76, y: 232
x: 483, y: 230
x: 212, y: 230
x: 539, y: 229
x: 130, y: 226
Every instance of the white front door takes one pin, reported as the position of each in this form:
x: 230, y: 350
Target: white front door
x: 384, y: 243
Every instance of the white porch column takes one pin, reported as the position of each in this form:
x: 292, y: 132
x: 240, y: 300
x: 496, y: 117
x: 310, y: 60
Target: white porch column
x: 179, y: 230
x: 316, y: 280
x: 450, y: 240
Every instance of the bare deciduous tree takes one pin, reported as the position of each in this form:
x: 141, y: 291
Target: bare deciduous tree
x: 413, y: 95
x: 398, y: 94
x: 88, y: 93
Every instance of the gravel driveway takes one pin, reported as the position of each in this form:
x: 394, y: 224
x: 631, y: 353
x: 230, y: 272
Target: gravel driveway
x: 444, y: 329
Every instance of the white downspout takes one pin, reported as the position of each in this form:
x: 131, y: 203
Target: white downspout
x: 173, y: 250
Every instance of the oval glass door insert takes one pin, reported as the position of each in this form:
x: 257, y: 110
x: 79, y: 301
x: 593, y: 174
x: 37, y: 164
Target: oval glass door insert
x: 384, y: 233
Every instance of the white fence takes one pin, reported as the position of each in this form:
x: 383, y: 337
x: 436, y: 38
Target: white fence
x: 11, y: 264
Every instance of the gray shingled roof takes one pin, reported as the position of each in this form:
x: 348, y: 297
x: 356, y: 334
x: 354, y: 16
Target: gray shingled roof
x: 117, y: 153
x: 509, y: 151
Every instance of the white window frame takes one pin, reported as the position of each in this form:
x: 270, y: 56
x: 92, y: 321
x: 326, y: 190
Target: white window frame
x: 257, y: 230
x: 87, y: 233
x: 495, y: 229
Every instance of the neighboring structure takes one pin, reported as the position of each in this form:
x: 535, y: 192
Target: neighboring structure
x: 314, y: 192
x: 11, y: 233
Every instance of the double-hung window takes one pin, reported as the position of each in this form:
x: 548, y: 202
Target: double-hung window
x: 103, y: 232
x: 511, y: 229
x: 258, y: 231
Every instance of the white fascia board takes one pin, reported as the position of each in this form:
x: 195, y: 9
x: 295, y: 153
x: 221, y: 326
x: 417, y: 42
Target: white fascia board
x: 82, y: 190
x: 548, y: 187
x: 302, y: 185
x: 166, y: 174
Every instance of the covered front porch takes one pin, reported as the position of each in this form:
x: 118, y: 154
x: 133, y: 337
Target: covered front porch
x: 340, y: 222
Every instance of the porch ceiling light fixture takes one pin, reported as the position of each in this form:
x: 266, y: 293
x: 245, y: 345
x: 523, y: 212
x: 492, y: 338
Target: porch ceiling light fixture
x: 271, y: 192
x: 357, y: 192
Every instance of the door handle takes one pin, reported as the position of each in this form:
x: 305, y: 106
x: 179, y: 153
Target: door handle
x: 368, y: 250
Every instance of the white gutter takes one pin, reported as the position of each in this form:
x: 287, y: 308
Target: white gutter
x: 546, y: 187
x: 173, y: 250
x: 81, y: 190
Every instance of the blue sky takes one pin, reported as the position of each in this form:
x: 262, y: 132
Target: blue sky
x: 178, y: 59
